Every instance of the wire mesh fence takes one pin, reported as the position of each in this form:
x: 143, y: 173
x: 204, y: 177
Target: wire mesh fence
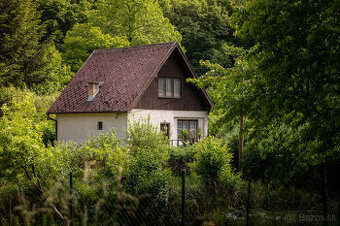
x: 205, y: 203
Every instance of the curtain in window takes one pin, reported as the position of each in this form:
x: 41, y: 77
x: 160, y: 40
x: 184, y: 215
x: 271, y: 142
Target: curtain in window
x: 168, y: 87
x: 161, y: 87
x: 177, y: 88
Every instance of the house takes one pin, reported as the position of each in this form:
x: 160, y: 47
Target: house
x: 117, y: 86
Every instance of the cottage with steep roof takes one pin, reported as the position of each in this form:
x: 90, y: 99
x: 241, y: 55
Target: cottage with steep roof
x: 117, y: 86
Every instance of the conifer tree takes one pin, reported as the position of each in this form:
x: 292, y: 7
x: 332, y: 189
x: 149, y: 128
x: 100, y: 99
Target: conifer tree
x: 22, y: 58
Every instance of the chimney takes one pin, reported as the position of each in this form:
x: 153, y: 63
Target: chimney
x: 93, y: 88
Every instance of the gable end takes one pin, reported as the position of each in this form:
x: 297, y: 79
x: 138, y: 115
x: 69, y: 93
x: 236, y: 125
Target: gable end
x: 192, y: 98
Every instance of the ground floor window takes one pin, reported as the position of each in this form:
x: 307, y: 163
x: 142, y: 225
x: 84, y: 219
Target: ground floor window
x: 187, y: 130
x: 99, y: 125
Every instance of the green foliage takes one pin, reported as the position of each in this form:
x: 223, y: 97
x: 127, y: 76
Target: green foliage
x: 275, y: 199
x: 149, y: 150
x: 212, y: 156
x: 142, y: 133
x: 59, y: 16
x: 180, y: 157
x: 297, y: 68
x: 147, y: 175
x: 142, y: 21
x: 205, y: 31
x: 229, y: 89
x: 213, y: 162
x: 277, y: 156
x: 83, y: 39
x: 104, y: 152
x: 59, y: 74
x: 21, y: 57
x: 189, y: 137
x: 21, y: 131
x: 24, y: 61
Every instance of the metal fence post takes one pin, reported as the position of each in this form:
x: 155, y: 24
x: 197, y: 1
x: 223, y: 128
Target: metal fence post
x: 71, y: 200
x: 183, y: 197
x: 248, y: 203
x: 324, y: 196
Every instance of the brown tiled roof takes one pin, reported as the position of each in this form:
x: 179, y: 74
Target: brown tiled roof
x: 126, y: 72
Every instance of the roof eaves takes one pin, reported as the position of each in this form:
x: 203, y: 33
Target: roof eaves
x: 82, y: 112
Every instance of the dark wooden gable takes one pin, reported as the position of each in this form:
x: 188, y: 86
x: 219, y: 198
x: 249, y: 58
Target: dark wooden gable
x: 191, y: 97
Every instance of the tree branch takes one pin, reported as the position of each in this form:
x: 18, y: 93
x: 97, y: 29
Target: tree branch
x: 42, y: 193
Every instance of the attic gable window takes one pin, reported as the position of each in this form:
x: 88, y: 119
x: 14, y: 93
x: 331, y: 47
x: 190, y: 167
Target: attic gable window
x: 169, y: 87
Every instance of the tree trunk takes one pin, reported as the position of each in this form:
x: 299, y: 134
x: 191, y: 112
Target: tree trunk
x: 241, y: 138
x: 241, y: 141
x: 10, y: 211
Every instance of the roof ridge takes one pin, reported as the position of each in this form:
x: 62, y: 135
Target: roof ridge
x: 133, y: 47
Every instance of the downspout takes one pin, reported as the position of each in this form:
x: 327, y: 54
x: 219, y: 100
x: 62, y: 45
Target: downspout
x: 56, y: 126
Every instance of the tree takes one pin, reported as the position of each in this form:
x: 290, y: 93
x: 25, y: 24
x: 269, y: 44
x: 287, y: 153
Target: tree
x: 141, y: 21
x: 59, y: 16
x: 20, y: 136
x: 83, y: 39
x: 59, y: 74
x: 22, y: 58
x: 297, y: 67
x: 213, y: 162
x: 228, y: 92
x: 228, y: 88
x: 117, y: 24
x: 206, y: 33
x: 22, y: 152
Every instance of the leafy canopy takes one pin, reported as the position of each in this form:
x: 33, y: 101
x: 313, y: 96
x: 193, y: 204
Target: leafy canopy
x: 205, y: 31
x: 297, y: 65
x: 141, y: 21
x: 83, y: 39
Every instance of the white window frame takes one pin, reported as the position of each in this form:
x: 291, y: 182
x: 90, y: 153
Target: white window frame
x: 182, y: 120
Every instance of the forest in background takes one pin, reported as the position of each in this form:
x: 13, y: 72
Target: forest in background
x: 272, y: 66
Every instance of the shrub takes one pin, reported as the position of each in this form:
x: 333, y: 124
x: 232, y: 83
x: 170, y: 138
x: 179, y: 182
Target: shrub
x: 188, y: 137
x: 147, y: 176
x: 142, y: 134
x: 180, y: 157
x: 213, y: 163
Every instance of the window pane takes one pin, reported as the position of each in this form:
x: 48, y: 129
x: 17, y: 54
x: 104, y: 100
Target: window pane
x: 193, y: 126
x: 185, y: 125
x: 169, y: 92
x: 161, y: 87
x: 177, y: 88
x: 99, y: 125
x: 180, y: 124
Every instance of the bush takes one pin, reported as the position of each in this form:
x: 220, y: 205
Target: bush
x: 179, y: 159
x: 188, y: 137
x: 147, y: 176
x: 142, y: 134
x: 213, y: 162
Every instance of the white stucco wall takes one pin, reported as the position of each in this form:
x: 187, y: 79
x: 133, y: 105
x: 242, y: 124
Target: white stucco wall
x: 165, y: 116
x: 79, y: 126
